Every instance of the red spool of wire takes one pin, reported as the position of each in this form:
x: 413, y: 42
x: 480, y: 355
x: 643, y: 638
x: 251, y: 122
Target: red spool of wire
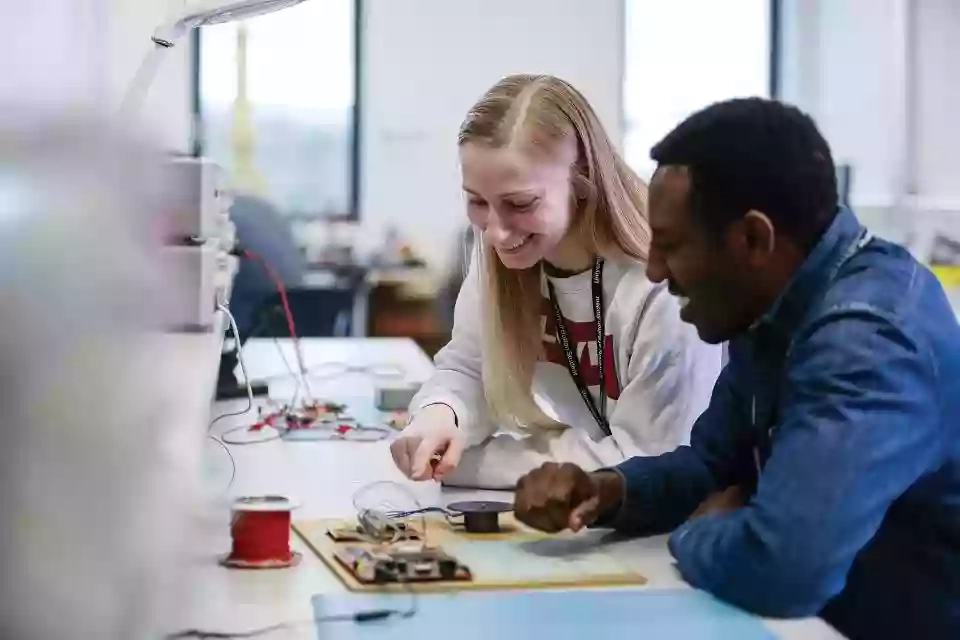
x: 260, y: 529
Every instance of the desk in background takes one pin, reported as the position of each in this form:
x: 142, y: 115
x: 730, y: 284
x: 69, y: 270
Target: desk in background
x: 323, y: 476
x: 353, y: 300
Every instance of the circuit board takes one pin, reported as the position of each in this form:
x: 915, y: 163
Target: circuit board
x: 400, y: 564
x: 515, y: 558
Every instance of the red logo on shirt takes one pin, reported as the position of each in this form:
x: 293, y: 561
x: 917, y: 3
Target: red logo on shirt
x: 583, y: 339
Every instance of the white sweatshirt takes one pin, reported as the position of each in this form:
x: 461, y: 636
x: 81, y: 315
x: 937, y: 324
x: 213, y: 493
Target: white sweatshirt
x: 658, y: 379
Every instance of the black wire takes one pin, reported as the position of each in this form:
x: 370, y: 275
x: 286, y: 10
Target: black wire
x: 243, y: 369
x: 232, y: 414
x: 416, y: 512
x: 233, y: 463
x: 359, y: 617
x: 199, y: 633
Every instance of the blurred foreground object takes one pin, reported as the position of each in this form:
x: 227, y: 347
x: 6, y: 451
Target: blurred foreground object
x: 98, y: 474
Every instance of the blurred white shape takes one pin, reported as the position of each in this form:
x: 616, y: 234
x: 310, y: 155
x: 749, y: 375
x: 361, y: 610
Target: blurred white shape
x: 52, y: 52
x: 94, y: 506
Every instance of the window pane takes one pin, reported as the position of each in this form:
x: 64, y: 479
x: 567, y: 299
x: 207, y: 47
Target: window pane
x: 682, y: 55
x: 300, y: 86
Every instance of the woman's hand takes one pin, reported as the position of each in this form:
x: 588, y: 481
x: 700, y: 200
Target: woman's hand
x: 430, y: 446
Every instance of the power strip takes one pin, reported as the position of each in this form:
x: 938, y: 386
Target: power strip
x: 197, y: 283
x: 198, y: 208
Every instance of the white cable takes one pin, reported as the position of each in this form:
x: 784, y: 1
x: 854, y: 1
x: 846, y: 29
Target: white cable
x: 243, y: 368
x: 291, y: 372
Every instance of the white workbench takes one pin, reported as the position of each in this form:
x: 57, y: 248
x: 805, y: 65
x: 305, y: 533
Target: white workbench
x: 323, y: 476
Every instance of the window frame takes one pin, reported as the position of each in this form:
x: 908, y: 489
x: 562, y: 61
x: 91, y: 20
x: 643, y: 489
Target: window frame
x: 356, y: 134
x: 775, y: 60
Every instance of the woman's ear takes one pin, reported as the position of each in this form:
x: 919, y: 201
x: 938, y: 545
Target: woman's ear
x: 583, y: 202
x: 584, y: 192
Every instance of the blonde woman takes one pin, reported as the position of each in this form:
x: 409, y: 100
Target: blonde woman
x: 560, y: 261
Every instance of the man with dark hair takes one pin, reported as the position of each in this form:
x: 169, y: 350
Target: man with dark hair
x: 825, y: 475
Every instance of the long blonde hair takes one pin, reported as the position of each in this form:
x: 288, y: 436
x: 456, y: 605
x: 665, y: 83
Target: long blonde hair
x: 609, y: 204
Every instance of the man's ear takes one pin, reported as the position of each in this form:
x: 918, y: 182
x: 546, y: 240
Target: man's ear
x: 759, y: 236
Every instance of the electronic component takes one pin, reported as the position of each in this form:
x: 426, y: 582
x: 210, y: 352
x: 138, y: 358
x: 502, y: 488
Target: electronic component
x: 396, y: 531
x: 399, y: 565
x: 396, y: 398
x: 318, y: 421
x: 379, y: 526
x: 198, y: 210
x: 480, y: 516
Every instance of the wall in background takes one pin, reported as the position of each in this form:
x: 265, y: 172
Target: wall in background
x: 850, y: 65
x: 424, y: 64
x: 937, y: 78
x: 675, y: 66
x: 848, y: 57
x: 938, y: 109
x: 298, y: 123
x: 425, y: 61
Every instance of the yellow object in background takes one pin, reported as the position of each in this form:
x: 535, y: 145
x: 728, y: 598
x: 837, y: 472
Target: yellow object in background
x: 948, y: 274
x: 246, y: 176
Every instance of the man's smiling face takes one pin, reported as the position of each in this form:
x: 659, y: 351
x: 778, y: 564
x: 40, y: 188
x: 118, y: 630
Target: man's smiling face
x: 707, y: 269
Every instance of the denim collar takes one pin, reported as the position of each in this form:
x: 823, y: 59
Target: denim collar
x: 842, y: 239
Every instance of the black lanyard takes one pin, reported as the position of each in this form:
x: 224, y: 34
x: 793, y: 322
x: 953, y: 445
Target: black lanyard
x: 573, y: 365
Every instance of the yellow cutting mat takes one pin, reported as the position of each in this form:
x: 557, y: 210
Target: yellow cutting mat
x: 516, y: 558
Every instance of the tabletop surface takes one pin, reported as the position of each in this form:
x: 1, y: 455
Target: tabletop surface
x: 323, y: 477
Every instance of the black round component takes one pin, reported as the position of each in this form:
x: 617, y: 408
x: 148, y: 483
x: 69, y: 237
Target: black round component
x: 448, y: 569
x: 480, y: 516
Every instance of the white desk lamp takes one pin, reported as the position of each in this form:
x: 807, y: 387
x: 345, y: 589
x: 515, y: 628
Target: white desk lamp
x: 166, y: 37
x: 198, y: 267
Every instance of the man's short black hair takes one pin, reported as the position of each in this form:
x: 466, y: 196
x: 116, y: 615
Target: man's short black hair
x: 753, y: 153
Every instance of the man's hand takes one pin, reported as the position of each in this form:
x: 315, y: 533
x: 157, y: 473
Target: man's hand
x: 560, y: 496
x: 730, y: 499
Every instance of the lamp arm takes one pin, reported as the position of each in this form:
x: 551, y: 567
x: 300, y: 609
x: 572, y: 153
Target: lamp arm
x: 164, y: 38
x: 167, y: 36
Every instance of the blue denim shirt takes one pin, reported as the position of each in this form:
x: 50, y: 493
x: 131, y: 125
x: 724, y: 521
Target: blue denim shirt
x: 840, y: 411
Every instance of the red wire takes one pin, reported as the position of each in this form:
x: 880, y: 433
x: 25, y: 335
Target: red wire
x: 261, y: 537
x: 282, y: 290
x: 278, y: 283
